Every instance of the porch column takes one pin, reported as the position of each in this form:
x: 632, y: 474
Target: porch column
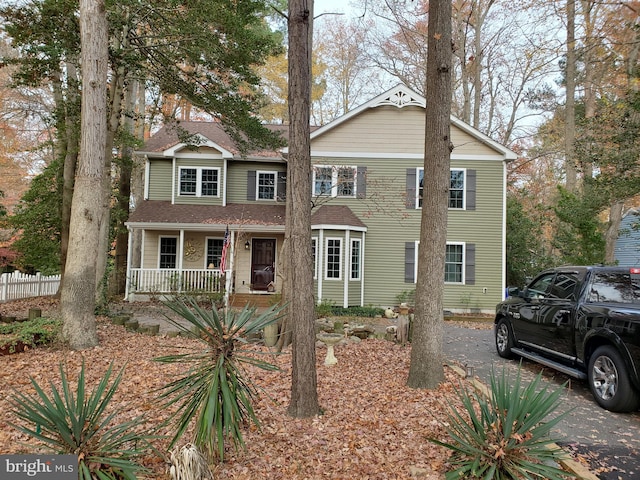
x: 129, y: 254
x: 231, y: 269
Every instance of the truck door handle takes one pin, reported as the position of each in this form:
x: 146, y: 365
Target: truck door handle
x: 535, y: 307
x: 564, y: 312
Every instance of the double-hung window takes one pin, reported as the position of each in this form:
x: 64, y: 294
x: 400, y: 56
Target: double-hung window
x: 459, y: 268
x: 314, y: 253
x: 168, y: 252
x: 333, y: 267
x: 457, y: 184
x: 334, y: 181
x: 356, y: 254
x: 199, y: 181
x: 266, y: 185
x: 454, y: 263
x: 214, y: 251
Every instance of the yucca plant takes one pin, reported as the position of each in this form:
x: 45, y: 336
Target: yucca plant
x: 79, y: 424
x: 216, y: 391
x: 505, y: 436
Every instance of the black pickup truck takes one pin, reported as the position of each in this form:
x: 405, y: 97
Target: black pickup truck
x: 582, y: 321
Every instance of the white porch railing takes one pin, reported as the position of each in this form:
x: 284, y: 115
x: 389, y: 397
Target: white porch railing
x: 164, y: 280
x: 17, y: 285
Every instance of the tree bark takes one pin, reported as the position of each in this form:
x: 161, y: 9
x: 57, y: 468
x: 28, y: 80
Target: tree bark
x: 301, y: 311
x: 426, y: 369
x: 571, y: 172
x: 87, y: 212
x: 611, y: 234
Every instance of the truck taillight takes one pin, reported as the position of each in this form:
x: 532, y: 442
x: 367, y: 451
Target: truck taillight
x: 634, y: 270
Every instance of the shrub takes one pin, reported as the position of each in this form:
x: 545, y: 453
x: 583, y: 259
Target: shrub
x: 80, y: 425
x: 215, y: 391
x: 505, y: 436
x: 39, y: 331
x: 324, y: 308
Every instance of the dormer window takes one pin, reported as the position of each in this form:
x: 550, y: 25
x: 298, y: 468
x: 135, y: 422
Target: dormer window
x: 199, y: 181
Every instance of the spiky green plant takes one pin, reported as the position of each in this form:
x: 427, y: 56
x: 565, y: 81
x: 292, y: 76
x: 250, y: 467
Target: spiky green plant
x: 505, y: 436
x: 79, y: 424
x: 216, y: 391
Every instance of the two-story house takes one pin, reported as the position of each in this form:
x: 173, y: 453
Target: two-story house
x: 368, y: 167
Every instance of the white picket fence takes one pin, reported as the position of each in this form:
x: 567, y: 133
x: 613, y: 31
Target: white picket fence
x: 16, y: 285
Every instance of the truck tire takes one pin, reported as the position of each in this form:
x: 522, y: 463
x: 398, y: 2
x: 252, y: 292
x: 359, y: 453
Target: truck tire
x: 504, y: 339
x: 609, y: 381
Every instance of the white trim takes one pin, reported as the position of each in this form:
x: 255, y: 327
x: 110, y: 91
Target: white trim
x: 206, y: 227
x: 173, y: 181
x: 464, y: 262
x: 320, y: 254
x: 174, y: 151
x: 326, y: 260
x: 334, y: 181
x: 402, y: 156
x: 359, y: 278
x: 347, y: 266
x: 464, y: 190
x: 199, y: 182
x: 177, y: 239
x: 206, y: 248
x: 223, y: 189
x: 315, y: 259
x: 401, y: 96
x: 147, y: 177
x: 503, y: 253
x: 275, y: 185
x: 326, y: 226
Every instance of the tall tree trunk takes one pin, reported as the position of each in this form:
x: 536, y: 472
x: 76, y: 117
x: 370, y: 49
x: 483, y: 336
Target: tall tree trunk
x: 119, y: 273
x: 67, y: 148
x: 426, y: 370
x: 114, y: 114
x: 87, y: 213
x: 571, y: 171
x: 301, y: 311
x: 611, y: 234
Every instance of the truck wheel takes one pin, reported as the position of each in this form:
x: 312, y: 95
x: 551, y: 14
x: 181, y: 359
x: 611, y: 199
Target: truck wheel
x: 609, y: 381
x: 504, y: 339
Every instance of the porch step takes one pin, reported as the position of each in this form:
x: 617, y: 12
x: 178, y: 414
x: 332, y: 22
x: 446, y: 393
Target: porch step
x: 239, y: 300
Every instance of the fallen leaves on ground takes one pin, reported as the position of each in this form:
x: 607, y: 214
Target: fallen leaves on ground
x: 372, y: 425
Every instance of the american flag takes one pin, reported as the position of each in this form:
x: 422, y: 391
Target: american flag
x: 225, y: 247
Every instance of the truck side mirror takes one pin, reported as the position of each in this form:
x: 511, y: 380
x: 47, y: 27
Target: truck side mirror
x: 513, y: 292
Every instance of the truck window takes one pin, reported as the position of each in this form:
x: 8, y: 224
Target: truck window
x: 564, y: 286
x: 614, y: 288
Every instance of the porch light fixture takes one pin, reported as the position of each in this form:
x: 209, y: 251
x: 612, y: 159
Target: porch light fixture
x: 247, y: 245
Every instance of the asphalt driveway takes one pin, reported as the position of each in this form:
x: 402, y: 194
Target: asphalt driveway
x: 609, y: 441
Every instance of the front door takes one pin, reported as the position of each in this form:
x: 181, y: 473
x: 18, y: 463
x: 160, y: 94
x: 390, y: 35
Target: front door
x: 263, y: 263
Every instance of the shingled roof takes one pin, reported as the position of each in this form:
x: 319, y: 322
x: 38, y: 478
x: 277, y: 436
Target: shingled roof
x: 170, y: 135
x: 164, y: 212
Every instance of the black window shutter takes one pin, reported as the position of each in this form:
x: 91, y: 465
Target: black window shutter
x: 411, y: 188
x: 251, y: 185
x: 471, y: 189
x: 409, y: 262
x: 470, y: 264
x: 361, y: 182
x: 282, y: 186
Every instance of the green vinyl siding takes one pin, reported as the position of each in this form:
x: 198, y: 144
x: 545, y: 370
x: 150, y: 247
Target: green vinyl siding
x: 199, y: 200
x: 160, y: 179
x: 390, y: 225
x: 239, y: 174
